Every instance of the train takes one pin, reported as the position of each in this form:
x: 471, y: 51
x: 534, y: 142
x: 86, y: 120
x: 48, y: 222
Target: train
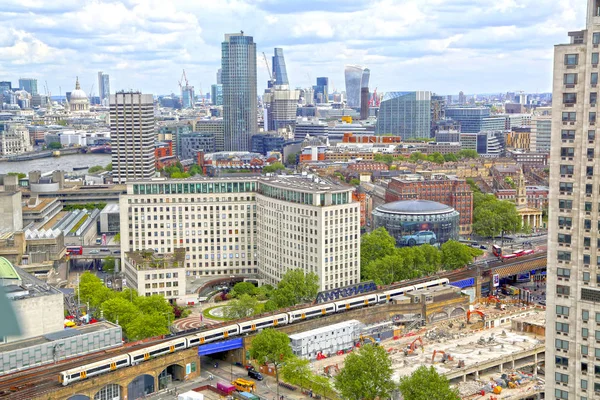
x: 237, y: 329
x: 497, y: 251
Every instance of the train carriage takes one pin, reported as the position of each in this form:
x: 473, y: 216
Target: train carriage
x: 262, y: 323
x: 355, y: 302
x: 90, y: 370
x: 213, y: 335
x: 157, y: 350
x: 311, y: 312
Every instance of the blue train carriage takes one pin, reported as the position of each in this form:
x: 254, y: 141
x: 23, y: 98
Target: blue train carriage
x: 356, y: 302
x: 311, y: 312
x: 90, y: 370
x: 148, y: 353
x: 213, y: 335
x: 262, y: 323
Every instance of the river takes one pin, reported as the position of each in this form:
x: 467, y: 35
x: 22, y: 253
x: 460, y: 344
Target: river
x: 64, y: 163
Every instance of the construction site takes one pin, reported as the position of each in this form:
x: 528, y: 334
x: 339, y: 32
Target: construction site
x: 494, y: 351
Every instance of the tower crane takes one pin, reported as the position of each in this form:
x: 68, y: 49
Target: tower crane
x: 271, y: 76
x: 91, y: 92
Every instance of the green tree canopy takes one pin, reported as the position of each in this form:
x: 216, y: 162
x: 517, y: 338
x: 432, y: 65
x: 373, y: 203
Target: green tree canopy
x: 417, y: 156
x: 296, y: 287
x: 297, y: 372
x: 108, y: 265
x: 450, y: 157
x: 95, y: 168
x: 108, y: 167
x: 457, y: 255
x: 275, y: 167
x: 244, y: 306
x: 426, y: 384
x: 271, y: 346
x: 493, y: 217
x: 119, y: 309
x: 19, y: 175
x: 54, y: 145
x: 291, y: 159
x: 241, y: 288
x: 468, y: 153
x: 436, y: 157
x: 367, y: 374
x: 195, y: 170
x: 377, y: 244
x: 147, y: 325
x: 355, y: 182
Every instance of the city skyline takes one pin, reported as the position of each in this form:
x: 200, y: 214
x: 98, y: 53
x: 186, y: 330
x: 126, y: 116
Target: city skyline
x: 419, y: 46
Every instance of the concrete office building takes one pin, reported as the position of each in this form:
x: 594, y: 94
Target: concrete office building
x: 103, y: 87
x: 191, y: 143
x: 280, y: 103
x: 29, y: 85
x: 14, y: 140
x: 357, y: 77
x: 541, y: 127
x: 573, y: 286
x: 132, y: 135
x: 156, y: 274
x: 238, y: 63
x: 11, y: 210
x: 259, y: 227
x: 405, y: 114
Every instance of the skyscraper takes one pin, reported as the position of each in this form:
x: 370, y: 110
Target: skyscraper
x: 357, y: 77
x: 238, y: 64
x: 462, y: 99
x: 406, y: 114
x: 279, y: 70
x: 132, y: 135
x: 103, y: 86
x: 281, y: 105
x: 219, y: 80
x: 29, y: 85
x: 216, y: 94
x: 322, y: 90
x: 573, y: 286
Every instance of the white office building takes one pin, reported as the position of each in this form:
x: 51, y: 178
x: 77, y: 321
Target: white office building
x: 258, y: 227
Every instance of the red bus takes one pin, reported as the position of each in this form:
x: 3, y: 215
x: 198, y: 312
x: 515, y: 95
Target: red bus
x: 497, y: 250
x: 75, y: 250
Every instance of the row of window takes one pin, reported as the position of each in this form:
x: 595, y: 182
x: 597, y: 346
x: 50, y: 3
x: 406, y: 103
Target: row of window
x: 571, y: 98
x: 571, y: 116
x: 571, y: 79
x: 569, y: 134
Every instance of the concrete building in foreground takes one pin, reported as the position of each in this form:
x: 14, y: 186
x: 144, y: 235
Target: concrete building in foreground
x: 573, y: 286
x: 259, y: 226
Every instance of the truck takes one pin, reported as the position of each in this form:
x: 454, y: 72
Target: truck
x: 244, y: 385
x: 226, y: 387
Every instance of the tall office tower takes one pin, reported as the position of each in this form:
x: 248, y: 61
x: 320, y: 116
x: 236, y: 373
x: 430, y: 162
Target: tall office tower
x: 322, y: 90
x: 103, y: 87
x: 29, y: 85
x: 462, y: 99
x: 132, y: 135
x: 216, y: 94
x: 364, y: 103
x: 219, y: 74
x: 188, y: 98
x: 281, y: 105
x: 406, y: 114
x: 5, y: 86
x: 279, y: 70
x: 238, y: 63
x: 573, y: 286
x: 357, y: 77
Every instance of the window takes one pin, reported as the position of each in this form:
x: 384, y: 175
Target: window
x: 567, y: 151
x: 592, y: 117
x: 586, y: 277
x: 570, y: 79
x: 562, y: 327
x: 567, y: 134
x: 596, y: 38
x: 561, y: 361
x: 566, y: 187
x: 569, y: 98
x: 584, y: 333
x: 563, y: 272
x: 589, y: 171
x: 562, y: 238
x: 597, y: 336
x: 563, y: 378
x: 561, y: 344
x: 562, y: 310
x: 594, y: 78
x: 571, y: 59
x: 565, y: 222
x: 565, y: 204
x: 584, y: 384
x: 591, y: 135
x: 587, y: 224
x: 589, y: 189
x: 561, y: 394
x: 584, y: 350
x: 566, y: 169
x: 569, y: 116
x: 563, y: 290
x: 594, y: 58
x: 586, y: 240
x: 593, y: 97
x: 587, y: 259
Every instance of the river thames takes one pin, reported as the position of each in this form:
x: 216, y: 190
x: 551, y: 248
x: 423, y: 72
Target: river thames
x: 64, y: 163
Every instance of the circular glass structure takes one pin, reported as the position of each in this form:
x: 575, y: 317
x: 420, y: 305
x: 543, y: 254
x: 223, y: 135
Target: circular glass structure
x: 416, y: 222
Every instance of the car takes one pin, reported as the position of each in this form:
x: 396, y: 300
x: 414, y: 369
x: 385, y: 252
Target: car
x: 249, y: 367
x: 94, y: 251
x: 117, y: 252
x: 474, y: 244
x: 542, y: 302
x: 105, y: 250
x: 421, y: 237
x: 482, y: 247
x: 252, y: 373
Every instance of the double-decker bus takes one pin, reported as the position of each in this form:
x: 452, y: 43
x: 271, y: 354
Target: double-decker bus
x: 75, y: 250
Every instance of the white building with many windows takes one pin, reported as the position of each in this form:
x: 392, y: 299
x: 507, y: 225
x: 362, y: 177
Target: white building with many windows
x: 252, y: 226
x: 14, y: 140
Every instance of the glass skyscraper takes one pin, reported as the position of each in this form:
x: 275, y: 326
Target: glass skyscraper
x: 405, y: 114
x: 103, y: 86
x: 471, y: 119
x: 279, y: 71
x: 357, y: 77
x: 322, y: 90
x: 238, y: 66
x: 29, y: 85
x: 216, y: 94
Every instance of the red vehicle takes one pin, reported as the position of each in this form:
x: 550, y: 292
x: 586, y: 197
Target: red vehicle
x: 509, y: 256
x: 497, y: 250
x: 75, y: 250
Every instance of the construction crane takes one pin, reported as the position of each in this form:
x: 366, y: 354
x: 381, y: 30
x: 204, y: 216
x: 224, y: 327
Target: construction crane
x: 91, y: 92
x: 271, y: 76
x: 202, y: 96
x: 186, y: 87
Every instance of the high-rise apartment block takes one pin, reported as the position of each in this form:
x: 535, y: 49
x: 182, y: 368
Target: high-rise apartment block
x: 279, y: 70
x: 357, y: 77
x: 260, y: 227
x: 29, y: 85
x: 281, y: 104
x: 573, y: 286
x: 103, y: 87
x: 238, y: 64
x: 406, y: 114
x: 132, y: 135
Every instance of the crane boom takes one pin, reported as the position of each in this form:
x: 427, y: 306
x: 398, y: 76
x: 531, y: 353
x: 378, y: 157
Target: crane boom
x: 268, y: 68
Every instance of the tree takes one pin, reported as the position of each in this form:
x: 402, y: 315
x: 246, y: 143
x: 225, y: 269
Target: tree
x: 375, y: 245
x: 146, y: 325
x: 117, y: 238
x: 92, y: 290
x: 19, y: 175
x: 367, y: 374
x: 195, y: 170
x: 493, y: 217
x: 291, y: 159
x: 242, y: 288
x: 467, y: 153
x: 355, y: 182
x: 417, y: 156
x: 244, y: 306
x: 426, y: 384
x: 275, y: 167
x: 54, y: 145
x: 437, y: 158
x: 321, y: 385
x: 108, y: 167
x: 95, y: 168
x: 154, y: 304
x: 473, y: 185
x: 450, y: 157
x: 297, y: 372
x: 109, y: 265
x: 456, y: 255
x: 119, y: 309
x: 271, y: 347
x: 296, y: 287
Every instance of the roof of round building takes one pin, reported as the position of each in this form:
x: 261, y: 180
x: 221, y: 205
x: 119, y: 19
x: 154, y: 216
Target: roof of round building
x: 415, y: 207
x: 7, y: 271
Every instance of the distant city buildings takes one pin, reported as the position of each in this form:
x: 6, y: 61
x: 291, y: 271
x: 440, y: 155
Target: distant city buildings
x: 280, y: 103
x: 476, y: 119
x: 541, y: 127
x: 14, y: 140
x: 462, y: 99
x: 192, y: 143
x: 357, y: 77
x: 132, y: 135
x: 279, y: 70
x: 216, y: 94
x: 321, y: 90
x: 29, y: 85
x: 103, y: 88
x: 78, y: 100
x: 238, y: 63
x: 405, y: 114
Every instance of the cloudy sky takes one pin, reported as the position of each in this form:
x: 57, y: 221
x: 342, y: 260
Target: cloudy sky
x: 441, y: 45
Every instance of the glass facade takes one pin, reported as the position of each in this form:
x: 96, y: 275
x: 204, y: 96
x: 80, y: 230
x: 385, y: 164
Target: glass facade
x: 415, y: 229
x: 216, y: 94
x: 322, y: 90
x: 357, y: 77
x: 194, y: 187
x: 406, y: 114
x: 471, y: 119
x: 238, y: 65
x: 279, y: 71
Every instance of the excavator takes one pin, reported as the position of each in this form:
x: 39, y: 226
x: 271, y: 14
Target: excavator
x: 362, y: 340
x: 410, y: 349
x: 499, y: 304
x: 331, y: 370
x: 445, y: 356
x: 482, y: 315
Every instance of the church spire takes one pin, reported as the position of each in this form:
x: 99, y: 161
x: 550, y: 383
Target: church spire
x: 521, y: 190
x: 77, y: 86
